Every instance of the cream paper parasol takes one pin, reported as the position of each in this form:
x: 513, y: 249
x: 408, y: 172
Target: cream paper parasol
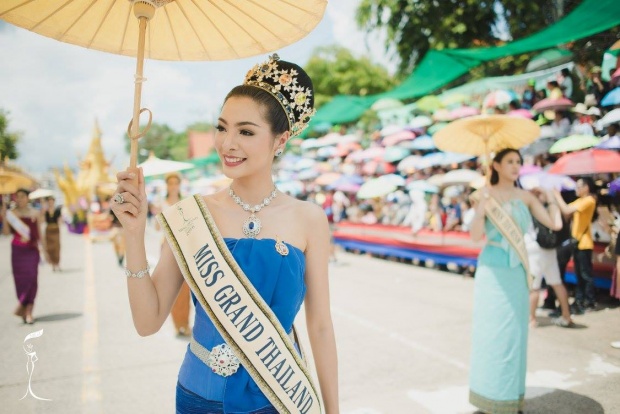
x: 483, y: 134
x: 168, y: 30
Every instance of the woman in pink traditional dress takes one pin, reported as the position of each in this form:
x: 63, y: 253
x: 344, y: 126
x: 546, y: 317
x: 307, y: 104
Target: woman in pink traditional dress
x: 25, y: 224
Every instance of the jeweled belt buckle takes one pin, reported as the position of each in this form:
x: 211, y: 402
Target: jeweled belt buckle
x: 223, y: 361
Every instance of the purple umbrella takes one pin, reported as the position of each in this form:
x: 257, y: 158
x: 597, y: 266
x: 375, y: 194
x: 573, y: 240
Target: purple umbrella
x: 612, y: 143
x: 347, y: 183
x: 529, y: 169
x: 547, y: 181
x: 614, y: 187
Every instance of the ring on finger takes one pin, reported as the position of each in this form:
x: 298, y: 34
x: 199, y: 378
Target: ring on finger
x: 118, y: 198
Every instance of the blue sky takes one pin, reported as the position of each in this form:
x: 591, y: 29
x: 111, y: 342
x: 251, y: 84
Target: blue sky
x: 54, y: 91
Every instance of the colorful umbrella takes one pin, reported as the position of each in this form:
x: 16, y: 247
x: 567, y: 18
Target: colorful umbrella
x: 611, y: 117
x: 386, y: 103
x: 348, y: 183
x: 420, y: 121
x: 573, y: 143
x: 423, y: 143
x: 394, y: 139
x: 378, y: 167
x: 614, y: 187
x: 293, y: 187
x: 436, y: 179
x: 442, y: 158
x: 480, y: 135
x: 367, y: 154
x: 549, y: 104
x: 178, y: 30
x: 591, y: 161
x: 393, y: 154
x: 345, y: 187
x: 529, y: 169
x: 499, y: 98
x: 612, y: 98
x: 308, y: 174
x: 547, y: 181
x: 11, y: 181
x: 429, y: 103
x: 612, y: 143
x: 463, y: 112
x: 391, y: 129
x: 442, y: 115
x: 460, y: 177
x: 376, y: 187
x: 540, y: 146
x: 43, y: 193
x: 433, y: 129
x: 422, y: 185
x: 327, y: 178
x: 449, y: 99
x: 304, y: 163
x: 326, y: 152
x: 409, y: 163
x: 394, y: 179
x: 156, y: 166
x: 524, y: 113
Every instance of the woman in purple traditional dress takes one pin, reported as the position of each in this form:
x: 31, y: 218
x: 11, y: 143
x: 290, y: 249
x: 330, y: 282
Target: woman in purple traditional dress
x: 24, y: 223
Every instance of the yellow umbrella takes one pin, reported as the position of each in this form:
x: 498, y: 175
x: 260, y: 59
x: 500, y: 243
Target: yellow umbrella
x: 178, y: 30
x: 483, y: 134
x: 11, y: 181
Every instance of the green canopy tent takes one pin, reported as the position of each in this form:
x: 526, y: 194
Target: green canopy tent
x: 438, y: 68
x: 212, y: 158
x: 548, y: 59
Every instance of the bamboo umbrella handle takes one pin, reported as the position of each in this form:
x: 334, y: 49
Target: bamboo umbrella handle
x: 144, y: 12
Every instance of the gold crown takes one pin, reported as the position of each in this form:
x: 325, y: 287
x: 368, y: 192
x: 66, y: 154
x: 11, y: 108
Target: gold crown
x: 283, y: 85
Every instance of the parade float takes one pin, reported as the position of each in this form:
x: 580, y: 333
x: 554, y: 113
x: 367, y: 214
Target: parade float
x: 92, y: 184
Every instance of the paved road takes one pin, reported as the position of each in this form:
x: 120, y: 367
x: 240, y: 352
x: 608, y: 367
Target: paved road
x: 402, y: 333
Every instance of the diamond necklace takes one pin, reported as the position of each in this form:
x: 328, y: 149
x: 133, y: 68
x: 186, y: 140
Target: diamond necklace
x: 252, y: 226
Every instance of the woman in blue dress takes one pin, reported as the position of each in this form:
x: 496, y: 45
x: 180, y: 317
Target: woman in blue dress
x: 255, y: 123
x: 501, y: 295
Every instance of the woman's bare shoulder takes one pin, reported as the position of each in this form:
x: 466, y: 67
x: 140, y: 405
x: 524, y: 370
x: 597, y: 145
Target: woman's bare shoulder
x: 216, y: 197
x: 306, y: 209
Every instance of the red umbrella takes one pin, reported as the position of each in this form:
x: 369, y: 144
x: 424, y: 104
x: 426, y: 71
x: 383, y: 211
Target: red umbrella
x: 394, y: 139
x: 378, y: 167
x: 463, y: 112
x: 525, y: 113
x: 591, y: 161
x: 553, y: 104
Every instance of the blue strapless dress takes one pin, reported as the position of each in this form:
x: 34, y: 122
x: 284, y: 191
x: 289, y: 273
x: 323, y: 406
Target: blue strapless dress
x: 280, y: 282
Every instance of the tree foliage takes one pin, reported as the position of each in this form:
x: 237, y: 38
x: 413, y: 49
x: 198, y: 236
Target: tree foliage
x: 163, y: 141
x: 334, y: 70
x: 413, y: 27
x: 8, y: 140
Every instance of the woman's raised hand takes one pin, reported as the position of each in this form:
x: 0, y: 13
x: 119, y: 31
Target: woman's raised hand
x: 129, y: 202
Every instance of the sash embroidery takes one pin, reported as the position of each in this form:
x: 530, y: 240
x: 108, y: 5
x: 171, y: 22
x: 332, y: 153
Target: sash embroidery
x: 511, y: 232
x: 18, y: 225
x: 241, y: 316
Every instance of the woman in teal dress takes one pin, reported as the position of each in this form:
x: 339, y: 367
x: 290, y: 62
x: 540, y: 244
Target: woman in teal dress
x: 257, y: 119
x: 501, y: 294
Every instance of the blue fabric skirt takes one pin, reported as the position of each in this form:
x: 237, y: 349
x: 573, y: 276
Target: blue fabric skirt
x: 499, y: 339
x: 189, y: 403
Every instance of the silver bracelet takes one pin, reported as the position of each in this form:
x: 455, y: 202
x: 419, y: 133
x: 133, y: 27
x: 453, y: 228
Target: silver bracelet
x: 140, y: 274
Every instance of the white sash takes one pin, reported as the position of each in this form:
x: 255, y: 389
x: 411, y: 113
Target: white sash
x: 241, y: 316
x: 510, y: 230
x: 18, y: 225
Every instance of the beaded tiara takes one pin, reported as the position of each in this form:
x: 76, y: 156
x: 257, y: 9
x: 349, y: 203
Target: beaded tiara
x: 291, y: 87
